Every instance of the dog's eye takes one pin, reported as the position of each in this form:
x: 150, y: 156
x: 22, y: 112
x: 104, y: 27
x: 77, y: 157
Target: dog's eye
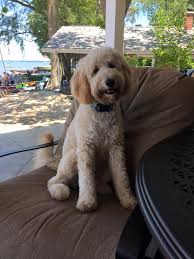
x: 111, y: 65
x: 95, y: 71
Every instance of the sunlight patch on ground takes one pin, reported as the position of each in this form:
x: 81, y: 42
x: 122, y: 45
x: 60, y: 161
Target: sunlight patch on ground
x: 24, y: 117
x: 27, y: 110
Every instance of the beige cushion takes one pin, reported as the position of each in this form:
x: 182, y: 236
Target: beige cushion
x: 33, y: 226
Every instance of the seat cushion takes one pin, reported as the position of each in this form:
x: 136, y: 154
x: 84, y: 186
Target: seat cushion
x: 35, y: 226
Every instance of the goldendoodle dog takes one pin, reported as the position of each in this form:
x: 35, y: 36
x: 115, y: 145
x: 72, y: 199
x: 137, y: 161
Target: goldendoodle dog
x: 96, y: 132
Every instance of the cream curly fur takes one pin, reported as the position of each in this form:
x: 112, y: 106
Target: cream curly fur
x: 95, y: 136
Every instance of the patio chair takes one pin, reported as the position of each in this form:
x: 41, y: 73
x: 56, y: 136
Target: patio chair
x: 35, y: 226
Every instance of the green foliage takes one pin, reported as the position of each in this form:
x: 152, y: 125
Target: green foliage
x: 17, y: 21
x: 4, y: 9
x: 82, y: 12
x: 13, y: 22
x: 173, y: 47
x: 132, y: 11
x: 38, y: 27
x: 174, y: 57
x: 136, y: 61
x: 190, y: 5
x: 70, y: 12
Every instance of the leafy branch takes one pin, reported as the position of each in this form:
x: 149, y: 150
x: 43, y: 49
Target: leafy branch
x: 24, y: 3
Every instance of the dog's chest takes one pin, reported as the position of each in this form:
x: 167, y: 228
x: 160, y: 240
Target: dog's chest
x: 107, y: 135
x: 105, y: 131
x: 98, y: 128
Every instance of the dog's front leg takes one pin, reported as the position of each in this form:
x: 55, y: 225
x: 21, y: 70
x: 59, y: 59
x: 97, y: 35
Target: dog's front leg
x: 120, y: 177
x: 86, y: 172
x: 58, y: 185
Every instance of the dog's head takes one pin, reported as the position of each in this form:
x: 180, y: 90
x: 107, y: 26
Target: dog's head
x: 102, y: 76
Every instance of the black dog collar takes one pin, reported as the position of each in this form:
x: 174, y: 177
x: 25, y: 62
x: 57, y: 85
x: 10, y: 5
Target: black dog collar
x: 98, y: 107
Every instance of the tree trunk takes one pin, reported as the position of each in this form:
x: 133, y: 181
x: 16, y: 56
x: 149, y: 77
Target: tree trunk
x: 127, y: 4
x: 53, y: 26
x: 66, y: 58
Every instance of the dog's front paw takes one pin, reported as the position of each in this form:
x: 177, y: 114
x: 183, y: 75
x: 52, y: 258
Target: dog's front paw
x: 86, y: 205
x: 129, y: 202
x: 59, y: 191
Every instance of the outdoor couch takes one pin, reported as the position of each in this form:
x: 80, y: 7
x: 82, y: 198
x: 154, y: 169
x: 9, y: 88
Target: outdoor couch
x: 33, y: 226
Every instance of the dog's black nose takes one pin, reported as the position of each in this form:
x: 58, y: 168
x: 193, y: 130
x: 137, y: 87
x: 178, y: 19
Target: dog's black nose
x: 109, y: 82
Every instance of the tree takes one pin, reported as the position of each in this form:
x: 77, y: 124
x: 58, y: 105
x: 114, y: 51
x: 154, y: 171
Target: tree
x: 172, y: 47
x: 41, y: 19
x: 190, y: 5
x: 34, y: 15
x: 21, y: 18
x: 53, y: 26
x: 13, y: 24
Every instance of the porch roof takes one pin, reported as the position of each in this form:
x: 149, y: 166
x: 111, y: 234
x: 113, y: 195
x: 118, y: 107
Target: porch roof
x: 80, y: 39
x: 138, y: 40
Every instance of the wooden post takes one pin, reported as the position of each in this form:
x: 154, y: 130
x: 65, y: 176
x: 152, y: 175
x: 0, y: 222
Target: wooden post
x: 115, y: 13
x: 153, y: 61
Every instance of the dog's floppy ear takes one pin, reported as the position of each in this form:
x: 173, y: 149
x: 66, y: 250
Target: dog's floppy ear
x: 80, y: 87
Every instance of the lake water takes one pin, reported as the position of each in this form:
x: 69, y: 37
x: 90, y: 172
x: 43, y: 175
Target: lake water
x: 22, y: 65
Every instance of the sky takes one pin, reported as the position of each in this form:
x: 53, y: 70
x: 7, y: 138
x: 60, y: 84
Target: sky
x: 31, y: 52
x: 142, y: 19
x: 14, y: 52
